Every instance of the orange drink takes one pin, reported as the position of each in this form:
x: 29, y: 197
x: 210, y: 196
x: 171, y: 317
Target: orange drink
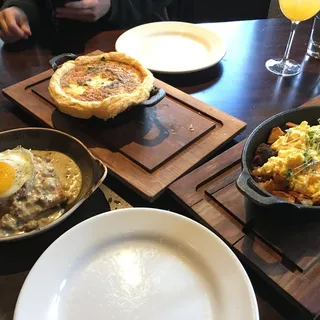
x: 296, y: 11
x: 299, y: 10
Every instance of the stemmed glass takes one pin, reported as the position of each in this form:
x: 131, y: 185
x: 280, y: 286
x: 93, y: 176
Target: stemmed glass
x: 296, y: 11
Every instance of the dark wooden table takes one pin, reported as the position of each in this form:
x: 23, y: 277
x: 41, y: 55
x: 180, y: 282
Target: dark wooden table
x: 240, y: 85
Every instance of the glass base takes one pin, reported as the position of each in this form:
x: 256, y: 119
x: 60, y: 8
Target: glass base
x: 286, y: 68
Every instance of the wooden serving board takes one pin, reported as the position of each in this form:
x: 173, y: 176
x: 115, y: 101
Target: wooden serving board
x: 147, y: 148
x: 283, y: 253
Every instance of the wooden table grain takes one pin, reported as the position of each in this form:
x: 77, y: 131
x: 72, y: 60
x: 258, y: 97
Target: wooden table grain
x: 239, y: 85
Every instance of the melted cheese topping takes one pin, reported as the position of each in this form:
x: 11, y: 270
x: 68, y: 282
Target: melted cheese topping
x: 101, y: 80
x: 74, y: 89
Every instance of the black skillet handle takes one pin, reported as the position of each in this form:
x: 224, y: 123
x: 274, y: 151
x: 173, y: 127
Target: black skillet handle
x: 157, y: 94
x: 244, y: 186
x: 54, y: 62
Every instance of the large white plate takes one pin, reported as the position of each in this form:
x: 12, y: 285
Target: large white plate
x: 137, y: 264
x: 172, y: 47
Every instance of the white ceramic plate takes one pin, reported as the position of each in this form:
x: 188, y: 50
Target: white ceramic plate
x: 172, y: 47
x: 137, y: 264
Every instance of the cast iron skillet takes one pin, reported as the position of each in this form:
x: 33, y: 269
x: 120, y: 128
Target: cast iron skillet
x: 92, y: 169
x: 156, y: 95
x: 246, y: 183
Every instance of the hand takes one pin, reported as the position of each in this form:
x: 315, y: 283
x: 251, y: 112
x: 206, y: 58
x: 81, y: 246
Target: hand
x: 14, y: 25
x: 84, y: 10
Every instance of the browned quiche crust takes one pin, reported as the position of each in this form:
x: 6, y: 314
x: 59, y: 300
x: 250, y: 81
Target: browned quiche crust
x: 102, y: 86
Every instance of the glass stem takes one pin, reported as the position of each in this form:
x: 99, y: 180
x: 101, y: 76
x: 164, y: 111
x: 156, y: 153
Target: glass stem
x: 294, y: 25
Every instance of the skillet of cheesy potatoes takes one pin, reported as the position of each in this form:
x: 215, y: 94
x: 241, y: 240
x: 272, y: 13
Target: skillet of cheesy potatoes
x: 102, y: 86
x: 292, y: 171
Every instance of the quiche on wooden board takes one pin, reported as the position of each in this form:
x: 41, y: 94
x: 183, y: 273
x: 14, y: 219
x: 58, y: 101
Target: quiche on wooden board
x: 102, y: 85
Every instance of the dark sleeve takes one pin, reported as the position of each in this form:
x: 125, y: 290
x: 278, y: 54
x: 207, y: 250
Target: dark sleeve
x: 29, y: 7
x: 128, y: 13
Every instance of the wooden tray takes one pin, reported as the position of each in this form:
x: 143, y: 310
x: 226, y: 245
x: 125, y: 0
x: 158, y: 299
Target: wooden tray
x: 285, y: 254
x: 147, y: 148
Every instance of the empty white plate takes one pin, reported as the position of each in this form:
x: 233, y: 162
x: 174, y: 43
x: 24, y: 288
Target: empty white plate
x: 172, y: 47
x: 137, y: 264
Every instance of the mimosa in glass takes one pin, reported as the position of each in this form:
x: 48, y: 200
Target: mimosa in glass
x: 296, y: 11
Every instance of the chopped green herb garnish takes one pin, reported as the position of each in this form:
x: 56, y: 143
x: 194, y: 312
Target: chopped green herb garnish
x: 311, y: 134
x: 289, y: 174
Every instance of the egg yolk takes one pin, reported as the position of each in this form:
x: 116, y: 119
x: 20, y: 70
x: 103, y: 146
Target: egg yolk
x: 7, y: 175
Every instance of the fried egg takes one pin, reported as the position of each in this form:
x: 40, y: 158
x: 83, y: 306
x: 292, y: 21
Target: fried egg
x: 16, y: 168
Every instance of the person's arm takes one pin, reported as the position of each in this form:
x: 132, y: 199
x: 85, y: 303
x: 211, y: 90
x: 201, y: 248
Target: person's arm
x: 127, y: 13
x: 117, y: 13
x: 29, y: 7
